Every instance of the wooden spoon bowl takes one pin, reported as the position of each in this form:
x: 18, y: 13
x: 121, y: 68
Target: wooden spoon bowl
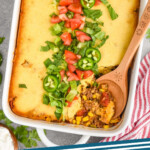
x: 117, y: 80
x: 117, y: 94
x: 12, y: 136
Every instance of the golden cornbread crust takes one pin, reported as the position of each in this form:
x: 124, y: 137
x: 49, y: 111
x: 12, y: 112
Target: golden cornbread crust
x: 28, y: 67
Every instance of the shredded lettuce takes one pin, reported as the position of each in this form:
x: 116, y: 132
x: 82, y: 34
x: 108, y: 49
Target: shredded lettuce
x: 93, y: 14
x: 71, y: 95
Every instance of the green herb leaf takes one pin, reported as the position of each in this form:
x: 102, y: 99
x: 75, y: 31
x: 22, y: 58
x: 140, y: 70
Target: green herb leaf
x: 100, y: 35
x: 46, y: 99
x: 73, y: 85
x: 103, y: 41
x: 56, y: 29
x: 58, y: 115
x: 22, y: 86
x: 44, y: 48
x: 47, y: 62
x: 71, y: 95
x: 33, y: 134
x: 112, y: 12
x: 95, y: 69
x: 63, y: 87
x: 2, y: 116
x: 59, y: 110
x: 2, y: 39
x: 50, y: 45
x: 93, y: 14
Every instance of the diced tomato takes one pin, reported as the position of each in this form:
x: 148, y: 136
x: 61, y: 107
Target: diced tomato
x: 78, y: 57
x: 63, y: 17
x: 75, y: 98
x: 71, y: 68
x: 81, y: 112
x: 62, y: 73
x: 66, y: 38
x: 82, y: 26
x: 105, y: 99
x: 55, y: 19
x: 62, y: 9
x: 68, y: 73
x: 65, y: 2
x: 78, y: 16
x: 70, y: 103
x: 75, y: 23
x: 78, y: 33
x: 80, y: 74
x: 97, y: 2
x: 76, y: 8
x: 87, y: 74
x: 82, y: 20
x: 67, y: 24
x: 70, y: 55
x: 83, y: 38
x: 76, y: 1
x: 70, y: 61
x: 72, y: 77
x: 69, y: 90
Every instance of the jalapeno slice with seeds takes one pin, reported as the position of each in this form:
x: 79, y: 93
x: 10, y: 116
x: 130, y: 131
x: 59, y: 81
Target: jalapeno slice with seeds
x: 87, y: 3
x: 94, y: 54
x: 50, y: 83
x: 85, y: 63
x: 57, y: 74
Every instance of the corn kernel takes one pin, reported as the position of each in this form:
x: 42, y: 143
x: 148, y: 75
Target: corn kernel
x: 87, y: 124
x: 106, y: 126
x: 78, y: 122
x: 85, y: 119
x: 102, y: 90
x: 84, y: 97
x: 78, y: 118
x: 74, y: 122
x: 114, y: 120
x: 90, y: 114
x: 94, y: 96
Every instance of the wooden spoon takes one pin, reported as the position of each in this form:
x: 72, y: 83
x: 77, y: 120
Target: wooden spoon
x: 117, y: 80
x: 12, y: 135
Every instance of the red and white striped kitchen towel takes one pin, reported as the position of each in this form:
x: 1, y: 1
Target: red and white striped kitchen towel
x: 139, y: 127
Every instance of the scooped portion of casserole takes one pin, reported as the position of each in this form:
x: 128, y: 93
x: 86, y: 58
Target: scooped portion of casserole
x: 84, y: 39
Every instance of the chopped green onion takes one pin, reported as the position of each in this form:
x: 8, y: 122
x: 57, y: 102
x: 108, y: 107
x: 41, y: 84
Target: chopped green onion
x: 22, y: 86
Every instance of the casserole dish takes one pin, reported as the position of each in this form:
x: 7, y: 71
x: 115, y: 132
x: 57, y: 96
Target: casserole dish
x: 61, y: 127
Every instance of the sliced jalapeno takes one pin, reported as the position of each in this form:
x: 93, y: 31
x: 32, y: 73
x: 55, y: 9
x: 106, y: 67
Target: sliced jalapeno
x: 57, y: 74
x: 93, y: 54
x: 87, y: 3
x: 50, y: 83
x: 85, y: 63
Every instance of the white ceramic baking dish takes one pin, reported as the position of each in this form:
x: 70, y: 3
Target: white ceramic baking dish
x: 81, y: 130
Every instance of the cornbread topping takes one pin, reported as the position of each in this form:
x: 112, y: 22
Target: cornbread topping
x: 83, y: 40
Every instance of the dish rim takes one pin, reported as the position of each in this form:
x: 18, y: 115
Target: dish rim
x: 68, y: 128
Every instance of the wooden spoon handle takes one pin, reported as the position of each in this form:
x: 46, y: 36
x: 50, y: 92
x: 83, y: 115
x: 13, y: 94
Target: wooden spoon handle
x: 137, y: 37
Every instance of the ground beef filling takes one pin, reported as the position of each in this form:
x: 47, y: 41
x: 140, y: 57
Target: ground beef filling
x: 98, y: 107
